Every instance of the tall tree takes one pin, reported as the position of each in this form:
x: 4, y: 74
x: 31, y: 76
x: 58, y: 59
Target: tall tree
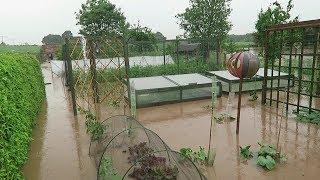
x: 100, y: 18
x: 67, y: 34
x: 159, y: 36
x: 144, y: 35
x: 207, y: 19
x: 52, y: 39
x: 275, y: 14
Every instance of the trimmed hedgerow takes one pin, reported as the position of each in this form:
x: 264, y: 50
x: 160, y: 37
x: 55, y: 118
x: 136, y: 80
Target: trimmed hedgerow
x: 21, y: 97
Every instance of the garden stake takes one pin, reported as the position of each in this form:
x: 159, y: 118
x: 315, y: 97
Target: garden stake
x: 211, y: 155
x: 278, y: 138
x: 239, y: 105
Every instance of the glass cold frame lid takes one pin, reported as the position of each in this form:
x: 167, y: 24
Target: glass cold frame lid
x: 156, y: 82
x: 189, y: 79
x: 260, y: 74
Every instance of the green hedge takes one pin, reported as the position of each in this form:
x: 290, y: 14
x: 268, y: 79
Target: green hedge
x: 21, y: 97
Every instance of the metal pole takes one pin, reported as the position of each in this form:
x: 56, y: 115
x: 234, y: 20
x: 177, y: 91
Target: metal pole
x: 70, y: 76
x: 239, y: 105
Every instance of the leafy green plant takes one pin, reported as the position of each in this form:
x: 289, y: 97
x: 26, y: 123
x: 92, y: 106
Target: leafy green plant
x: 245, y: 152
x: 266, y: 161
x: 107, y: 171
x: 199, y: 156
x: 22, y: 92
x: 306, y: 117
x: 268, y: 155
x: 95, y: 128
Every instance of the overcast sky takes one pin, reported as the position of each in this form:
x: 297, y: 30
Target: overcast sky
x: 29, y: 20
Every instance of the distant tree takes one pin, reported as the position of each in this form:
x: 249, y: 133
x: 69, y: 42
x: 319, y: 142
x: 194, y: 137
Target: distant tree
x: 67, y: 34
x: 275, y: 14
x: 139, y: 33
x: 52, y: 39
x: 144, y: 35
x: 230, y: 46
x: 100, y: 18
x: 207, y: 19
x: 159, y: 36
x: 249, y: 37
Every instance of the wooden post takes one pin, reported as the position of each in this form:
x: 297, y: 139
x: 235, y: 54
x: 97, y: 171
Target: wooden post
x: 211, y: 151
x: 127, y: 66
x: 239, y: 105
x: 266, y: 61
x: 70, y: 76
x: 177, y: 55
x: 93, y: 72
x: 64, y: 57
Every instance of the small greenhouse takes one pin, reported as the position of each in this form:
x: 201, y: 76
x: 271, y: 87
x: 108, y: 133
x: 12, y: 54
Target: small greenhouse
x: 159, y: 90
x: 231, y: 84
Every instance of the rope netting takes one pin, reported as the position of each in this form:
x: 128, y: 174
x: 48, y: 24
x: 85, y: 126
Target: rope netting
x: 128, y: 150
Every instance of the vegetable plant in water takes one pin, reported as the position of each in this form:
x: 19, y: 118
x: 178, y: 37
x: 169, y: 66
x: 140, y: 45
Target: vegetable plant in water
x: 245, y: 152
x: 268, y: 155
x: 199, y: 156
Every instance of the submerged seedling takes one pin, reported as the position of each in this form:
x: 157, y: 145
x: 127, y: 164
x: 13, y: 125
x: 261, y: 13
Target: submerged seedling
x: 245, y: 152
x: 306, y: 117
x: 199, y: 156
x: 268, y: 156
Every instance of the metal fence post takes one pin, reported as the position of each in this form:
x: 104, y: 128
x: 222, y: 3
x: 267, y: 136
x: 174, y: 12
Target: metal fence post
x: 69, y: 73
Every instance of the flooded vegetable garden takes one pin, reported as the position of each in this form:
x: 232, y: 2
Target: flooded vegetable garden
x: 109, y: 122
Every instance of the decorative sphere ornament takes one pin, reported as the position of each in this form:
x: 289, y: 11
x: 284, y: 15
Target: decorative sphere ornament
x: 243, y: 64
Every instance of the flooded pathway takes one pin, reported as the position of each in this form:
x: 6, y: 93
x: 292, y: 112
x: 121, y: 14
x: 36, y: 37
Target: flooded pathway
x: 59, y: 148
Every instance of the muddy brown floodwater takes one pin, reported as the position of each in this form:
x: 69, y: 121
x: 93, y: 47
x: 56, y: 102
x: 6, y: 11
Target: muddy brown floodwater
x: 59, y: 150
x: 188, y: 125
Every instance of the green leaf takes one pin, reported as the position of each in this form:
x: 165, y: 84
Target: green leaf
x: 245, y: 152
x: 266, y: 162
x: 270, y: 163
x: 261, y: 161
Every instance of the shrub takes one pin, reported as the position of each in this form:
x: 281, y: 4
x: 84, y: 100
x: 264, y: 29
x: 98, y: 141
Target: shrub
x: 21, y: 97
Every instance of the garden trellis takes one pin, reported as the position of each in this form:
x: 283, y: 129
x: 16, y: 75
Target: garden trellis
x: 302, y: 66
